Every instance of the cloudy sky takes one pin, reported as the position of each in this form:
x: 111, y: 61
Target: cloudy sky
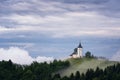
x: 53, y: 28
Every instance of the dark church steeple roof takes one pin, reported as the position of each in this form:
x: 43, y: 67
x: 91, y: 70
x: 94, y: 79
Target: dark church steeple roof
x: 80, y: 46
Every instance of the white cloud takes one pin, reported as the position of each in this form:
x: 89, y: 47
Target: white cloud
x: 36, y: 5
x: 18, y: 29
x: 21, y: 6
x: 68, y: 24
x: 116, y: 57
x: 42, y: 59
x: 82, y: 14
x: 20, y: 56
x: 24, y: 19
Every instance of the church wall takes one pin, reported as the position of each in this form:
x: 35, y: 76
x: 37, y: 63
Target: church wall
x: 74, y: 56
x: 79, y: 52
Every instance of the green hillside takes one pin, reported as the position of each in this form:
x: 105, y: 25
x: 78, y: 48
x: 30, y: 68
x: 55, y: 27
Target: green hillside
x: 86, y: 63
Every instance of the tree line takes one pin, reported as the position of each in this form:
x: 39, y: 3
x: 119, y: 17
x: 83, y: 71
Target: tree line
x: 46, y: 71
x: 35, y: 71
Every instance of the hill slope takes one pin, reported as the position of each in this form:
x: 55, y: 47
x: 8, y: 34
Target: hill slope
x: 83, y: 64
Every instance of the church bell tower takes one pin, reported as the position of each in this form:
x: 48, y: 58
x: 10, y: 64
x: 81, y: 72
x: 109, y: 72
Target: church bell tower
x: 79, y: 51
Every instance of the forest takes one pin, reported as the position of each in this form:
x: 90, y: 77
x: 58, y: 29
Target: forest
x: 47, y: 71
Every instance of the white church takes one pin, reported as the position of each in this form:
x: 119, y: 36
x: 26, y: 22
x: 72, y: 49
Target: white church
x: 77, y: 52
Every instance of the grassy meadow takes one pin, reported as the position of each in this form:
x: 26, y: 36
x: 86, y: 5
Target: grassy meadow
x: 85, y: 63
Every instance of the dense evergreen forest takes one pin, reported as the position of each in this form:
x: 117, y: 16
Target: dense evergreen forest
x: 46, y: 71
x: 35, y: 71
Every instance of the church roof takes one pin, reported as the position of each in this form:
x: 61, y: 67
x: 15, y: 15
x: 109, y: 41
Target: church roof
x: 73, y: 53
x: 75, y: 50
x: 80, y: 46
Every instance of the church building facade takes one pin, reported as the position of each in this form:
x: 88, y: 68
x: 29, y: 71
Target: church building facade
x: 77, y: 52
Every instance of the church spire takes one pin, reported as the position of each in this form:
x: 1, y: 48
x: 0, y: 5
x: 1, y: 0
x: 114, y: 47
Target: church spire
x: 80, y: 46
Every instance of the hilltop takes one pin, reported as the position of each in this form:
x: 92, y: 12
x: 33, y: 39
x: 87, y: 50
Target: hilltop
x: 47, y: 71
x: 84, y: 64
